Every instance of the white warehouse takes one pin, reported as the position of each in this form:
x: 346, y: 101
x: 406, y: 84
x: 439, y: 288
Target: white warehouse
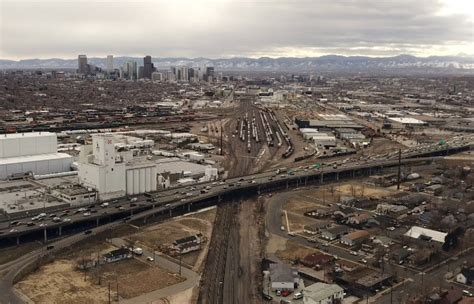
x: 35, y: 153
x: 114, y: 174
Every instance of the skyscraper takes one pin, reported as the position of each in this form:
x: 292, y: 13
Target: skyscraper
x: 131, y: 68
x: 184, y: 73
x: 110, y: 63
x: 148, y: 67
x: 82, y: 64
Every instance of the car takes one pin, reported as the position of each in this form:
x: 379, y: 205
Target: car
x: 325, y: 244
x: 13, y: 230
x: 151, y: 259
x: 56, y: 219
x: 121, y: 208
x: 391, y: 228
x: 354, y: 253
x: 467, y: 293
x: 297, y: 296
x: 267, y: 296
x: 363, y: 261
x: 291, y: 233
x: 86, y: 214
x: 278, y: 292
x: 43, y: 225
x: 285, y: 293
x: 30, y: 224
x: 67, y: 220
x: 282, y: 228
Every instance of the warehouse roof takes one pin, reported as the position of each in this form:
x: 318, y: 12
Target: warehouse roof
x: 415, y: 232
x: 321, y: 291
x: 407, y: 120
x: 33, y: 158
x: 176, y: 165
x: 27, y: 134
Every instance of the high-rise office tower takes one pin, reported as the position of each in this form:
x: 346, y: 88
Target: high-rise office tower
x: 148, y: 67
x: 210, y: 71
x: 184, y: 73
x: 173, y: 70
x: 110, y: 63
x: 82, y: 64
x: 132, y: 70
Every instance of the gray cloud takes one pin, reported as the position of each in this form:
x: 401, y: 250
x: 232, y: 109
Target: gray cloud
x: 54, y: 28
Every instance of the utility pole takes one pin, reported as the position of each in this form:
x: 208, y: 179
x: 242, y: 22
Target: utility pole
x: 399, y: 168
x: 222, y: 148
x: 180, y: 256
x: 109, y: 292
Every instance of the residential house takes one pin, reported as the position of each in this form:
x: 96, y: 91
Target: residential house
x: 355, y: 238
x: 334, y: 232
x: 117, y: 255
x: 283, y: 277
x: 466, y: 276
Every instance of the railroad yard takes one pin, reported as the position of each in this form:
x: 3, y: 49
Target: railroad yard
x: 322, y: 181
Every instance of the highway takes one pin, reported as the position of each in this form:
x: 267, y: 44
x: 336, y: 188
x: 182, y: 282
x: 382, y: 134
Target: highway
x: 169, y: 199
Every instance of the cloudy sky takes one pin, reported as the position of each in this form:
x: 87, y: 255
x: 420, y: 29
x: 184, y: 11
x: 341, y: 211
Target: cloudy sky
x: 229, y: 28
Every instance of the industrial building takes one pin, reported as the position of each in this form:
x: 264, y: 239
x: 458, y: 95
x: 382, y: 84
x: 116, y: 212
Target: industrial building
x: 322, y: 293
x: 32, y: 153
x: 115, y: 174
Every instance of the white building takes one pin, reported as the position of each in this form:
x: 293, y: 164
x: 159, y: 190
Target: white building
x: 114, y: 174
x: 417, y: 232
x: 34, y: 153
x: 322, y: 293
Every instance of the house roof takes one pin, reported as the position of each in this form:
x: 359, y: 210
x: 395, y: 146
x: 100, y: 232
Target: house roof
x: 468, y: 273
x: 320, y: 291
x: 357, y: 235
x: 281, y: 273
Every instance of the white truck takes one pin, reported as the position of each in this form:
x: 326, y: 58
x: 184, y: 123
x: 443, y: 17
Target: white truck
x: 137, y: 251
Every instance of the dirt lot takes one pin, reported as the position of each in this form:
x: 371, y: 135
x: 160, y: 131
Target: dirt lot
x: 357, y: 189
x: 163, y: 234
x: 60, y: 282
x: 293, y: 251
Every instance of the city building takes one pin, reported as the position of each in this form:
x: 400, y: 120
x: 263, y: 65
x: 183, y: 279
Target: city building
x: 148, y: 67
x: 322, y: 293
x: 184, y: 73
x: 82, y: 66
x: 114, y: 174
x: 33, y: 153
x: 110, y: 63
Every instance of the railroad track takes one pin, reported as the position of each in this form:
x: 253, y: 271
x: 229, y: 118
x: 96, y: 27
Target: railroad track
x: 211, y: 291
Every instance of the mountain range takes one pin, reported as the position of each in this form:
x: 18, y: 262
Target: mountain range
x: 328, y: 63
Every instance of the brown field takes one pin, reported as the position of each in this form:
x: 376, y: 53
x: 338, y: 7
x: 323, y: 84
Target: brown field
x: 60, y: 282
x: 160, y: 235
x: 294, y: 251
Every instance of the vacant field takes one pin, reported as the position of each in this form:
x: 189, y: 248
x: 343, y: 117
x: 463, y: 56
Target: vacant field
x: 166, y: 233
x: 60, y: 282
x: 357, y: 189
x: 293, y: 251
